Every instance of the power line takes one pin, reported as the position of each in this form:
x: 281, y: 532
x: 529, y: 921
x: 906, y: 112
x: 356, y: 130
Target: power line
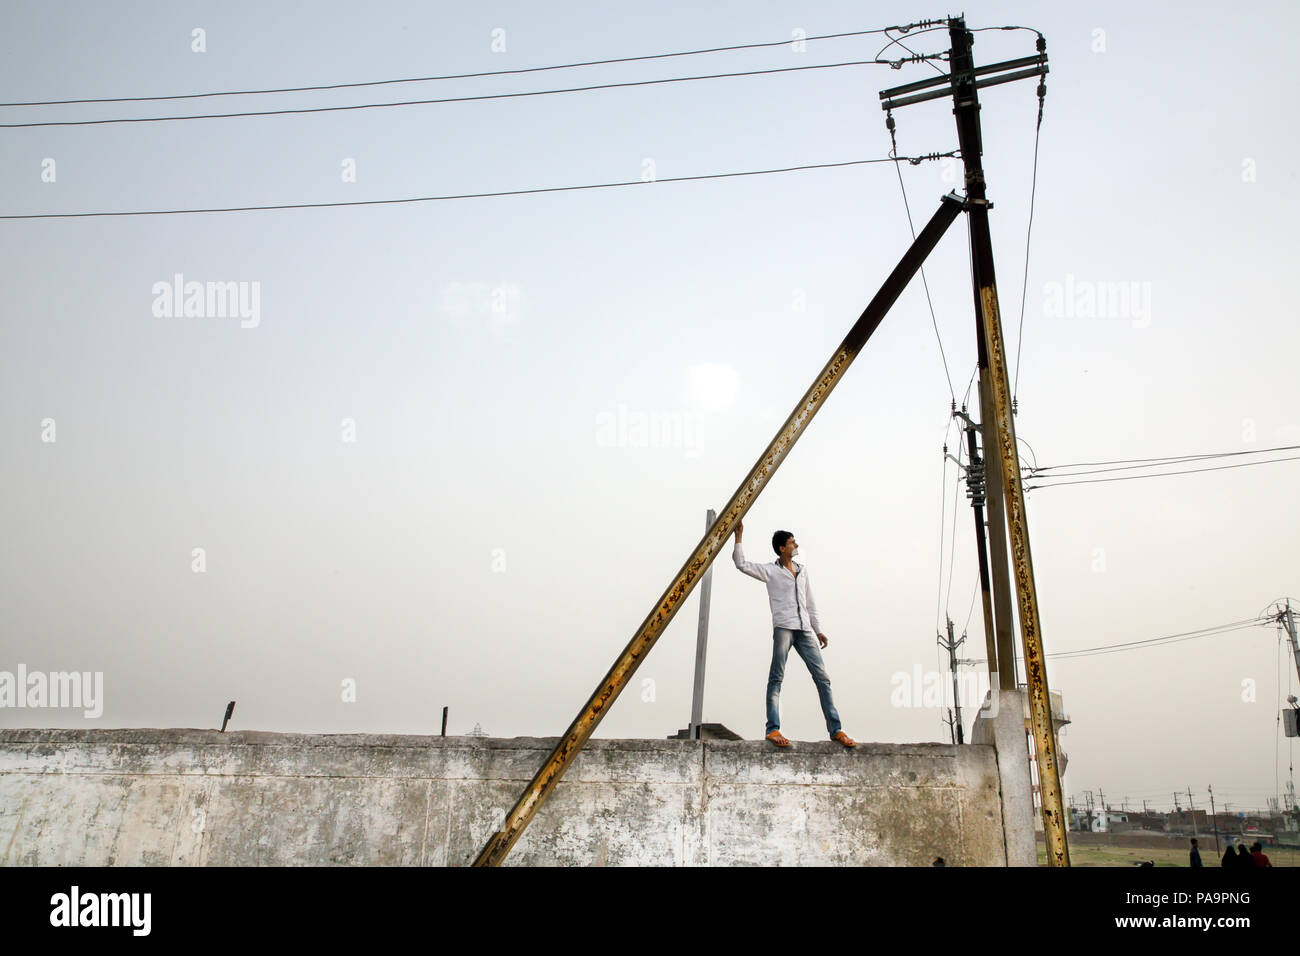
x: 417, y: 199
x: 944, y: 26
x: 893, y: 151
x: 918, y: 57
x: 971, y: 611
x: 1157, y: 641
x: 1163, y: 474
x: 1153, y: 641
x: 445, y: 99
x: 1032, y: 453
x: 1108, y: 470
x: 969, y: 384
x: 952, y: 548
x: 450, y: 76
x: 1168, y: 459
x: 1033, y: 189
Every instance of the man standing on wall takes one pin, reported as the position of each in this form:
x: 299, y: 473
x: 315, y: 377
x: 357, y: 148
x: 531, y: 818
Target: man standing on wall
x: 794, y: 622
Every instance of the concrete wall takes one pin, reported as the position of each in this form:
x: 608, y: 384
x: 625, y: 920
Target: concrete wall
x: 1003, y: 729
x: 199, y: 797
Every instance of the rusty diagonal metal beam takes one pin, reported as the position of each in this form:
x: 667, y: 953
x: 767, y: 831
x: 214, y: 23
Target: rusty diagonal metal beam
x: 546, y: 778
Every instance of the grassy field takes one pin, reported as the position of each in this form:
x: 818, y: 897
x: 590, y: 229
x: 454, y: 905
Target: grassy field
x: 1126, y: 856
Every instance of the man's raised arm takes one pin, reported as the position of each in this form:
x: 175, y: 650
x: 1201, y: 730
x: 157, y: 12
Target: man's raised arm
x: 738, y: 556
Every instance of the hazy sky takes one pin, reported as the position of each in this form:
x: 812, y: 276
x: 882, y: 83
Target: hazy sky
x: 416, y: 463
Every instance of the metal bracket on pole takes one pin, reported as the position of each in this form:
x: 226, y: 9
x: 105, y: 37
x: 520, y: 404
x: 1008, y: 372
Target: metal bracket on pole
x: 544, y: 781
x: 894, y: 98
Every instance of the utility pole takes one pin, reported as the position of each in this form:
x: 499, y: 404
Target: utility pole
x: 964, y: 80
x: 976, y: 491
x: 1007, y: 513
x: 1288, y: 618
x: 1144, y: 806
x: 951, y: 647
x: 444, y: 722
x: 1214, y: 819
x: 996, y: 405
x: 1191, y: 808
x: 1177, y: 809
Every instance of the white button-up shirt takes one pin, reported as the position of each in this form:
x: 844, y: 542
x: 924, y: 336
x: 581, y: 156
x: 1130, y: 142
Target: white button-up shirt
x: 788, y: 593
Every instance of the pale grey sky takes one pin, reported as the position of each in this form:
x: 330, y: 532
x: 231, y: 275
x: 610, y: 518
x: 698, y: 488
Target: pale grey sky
x: 490, y: 541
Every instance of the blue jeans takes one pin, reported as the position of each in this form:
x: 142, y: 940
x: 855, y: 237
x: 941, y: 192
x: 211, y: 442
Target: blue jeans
x: 805, y: 643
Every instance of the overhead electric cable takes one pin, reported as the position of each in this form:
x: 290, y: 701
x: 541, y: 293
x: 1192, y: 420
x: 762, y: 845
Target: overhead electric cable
x: 893, y: 151
x: 427, y: 102
x: 1156, y: 641
x: 1169, y: 459
x: 449, y: 76
x: 417, y: 199
x: 1033, y: 191
x: 1162, y: 474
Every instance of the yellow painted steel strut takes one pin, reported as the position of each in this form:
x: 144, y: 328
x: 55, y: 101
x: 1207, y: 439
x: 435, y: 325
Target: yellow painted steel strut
x: 1055, y: 823
x: 544, y: 781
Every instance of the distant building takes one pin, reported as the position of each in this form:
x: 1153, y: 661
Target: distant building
x: 1097, y: 820
x: 1113, y: 821
x: 1189, y: 821
x: 1140, y: 820
x: 1059, y: 720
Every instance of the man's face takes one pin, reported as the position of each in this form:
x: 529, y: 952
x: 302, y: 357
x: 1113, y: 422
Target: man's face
x: 789, y: 548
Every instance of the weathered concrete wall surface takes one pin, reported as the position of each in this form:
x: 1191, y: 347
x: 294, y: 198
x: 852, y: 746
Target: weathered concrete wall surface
x: 199, y: 797
x: 1004, y: 729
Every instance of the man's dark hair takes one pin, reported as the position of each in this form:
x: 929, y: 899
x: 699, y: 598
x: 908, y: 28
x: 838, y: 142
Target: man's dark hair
x: 1194, y: 841
x: 779, y: 539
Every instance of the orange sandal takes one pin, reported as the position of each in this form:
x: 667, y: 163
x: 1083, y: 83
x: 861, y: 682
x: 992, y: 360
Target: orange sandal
x: 845, y: 739
x: 776, y: 738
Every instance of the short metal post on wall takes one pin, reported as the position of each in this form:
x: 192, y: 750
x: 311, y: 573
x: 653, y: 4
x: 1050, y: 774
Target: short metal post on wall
x: 702, y: 641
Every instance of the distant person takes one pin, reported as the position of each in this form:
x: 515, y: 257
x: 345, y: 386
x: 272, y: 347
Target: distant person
x: 938, y: 861
x: 1196, y: 853
x: 1230, y: 857
x: 1257, y: 852
x: 1244, y: 859
x: 794, y: 622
